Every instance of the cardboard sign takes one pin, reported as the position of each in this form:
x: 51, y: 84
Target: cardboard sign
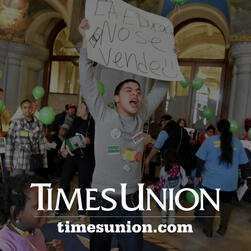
x: 129, y: 39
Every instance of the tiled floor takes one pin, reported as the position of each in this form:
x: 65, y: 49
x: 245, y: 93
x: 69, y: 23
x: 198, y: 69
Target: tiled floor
x: 237, y: 238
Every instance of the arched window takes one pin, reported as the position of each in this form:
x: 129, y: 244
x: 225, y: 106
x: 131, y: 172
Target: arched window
x: 64, y: 66
x: 62, y: 74
x: 203, y: 51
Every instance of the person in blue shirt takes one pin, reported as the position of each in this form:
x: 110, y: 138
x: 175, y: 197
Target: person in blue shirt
x: 221, y: 155
x: 155, y: 161
x: 172, y: 136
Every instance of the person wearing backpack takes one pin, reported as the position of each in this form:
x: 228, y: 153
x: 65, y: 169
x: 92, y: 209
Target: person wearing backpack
x: 172, y: 175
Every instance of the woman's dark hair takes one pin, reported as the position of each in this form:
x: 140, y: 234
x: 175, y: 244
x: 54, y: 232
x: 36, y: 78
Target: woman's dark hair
x: 211, y: 127
x: 225, y: 141
x: 164, y: 117
x: 171, y: 126
x: 120, y: 85
x: 181, y: 119
x: 170, y: 158
x: 13, y: 192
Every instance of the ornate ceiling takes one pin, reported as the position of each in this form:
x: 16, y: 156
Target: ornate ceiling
x: 240, y: 20
x: 16, y: 16
x: 19, y: 19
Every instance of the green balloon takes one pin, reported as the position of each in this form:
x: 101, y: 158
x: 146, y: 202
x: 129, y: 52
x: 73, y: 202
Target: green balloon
x: 233, y: 126
x: 46, y: 115
x: 178, y: 2
x: 111, y: 105
x: 185, y: 83
x: 190, y: 197
x: 197, y: 83
x: 207, y: 113
x: 249, y: 133
x: 1, y: 105
x: 1, y: 75
x: 38, y: 92
x: 101, y: 88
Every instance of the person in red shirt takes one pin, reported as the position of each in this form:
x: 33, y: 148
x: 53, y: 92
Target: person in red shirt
x: 210, y: 131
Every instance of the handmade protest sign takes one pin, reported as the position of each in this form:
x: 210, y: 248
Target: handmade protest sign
x: 126, y: 38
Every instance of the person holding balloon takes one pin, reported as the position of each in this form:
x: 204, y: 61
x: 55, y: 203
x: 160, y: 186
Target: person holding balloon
x: 25, y: 137
x: 221, y: 155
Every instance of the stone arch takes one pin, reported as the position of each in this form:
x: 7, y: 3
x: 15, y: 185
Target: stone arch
x: 38, y: 31
x: 59, y: 8
x: 199, y: 10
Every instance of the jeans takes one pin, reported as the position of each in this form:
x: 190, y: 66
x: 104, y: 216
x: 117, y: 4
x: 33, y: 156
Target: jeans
x: 197, y: 212
x: 72, y: 165
x: 127, y: 241
x: 5, y: 173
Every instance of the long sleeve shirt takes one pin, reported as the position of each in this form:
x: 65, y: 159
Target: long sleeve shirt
x: 118, y: 144
x: 23, y: 139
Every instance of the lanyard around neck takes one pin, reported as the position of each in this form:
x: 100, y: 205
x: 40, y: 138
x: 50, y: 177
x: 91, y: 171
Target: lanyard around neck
x: 24, y: 234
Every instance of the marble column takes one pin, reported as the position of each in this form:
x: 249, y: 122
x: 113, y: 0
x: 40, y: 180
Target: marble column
x: 21, y: 65
x: 240, y: 98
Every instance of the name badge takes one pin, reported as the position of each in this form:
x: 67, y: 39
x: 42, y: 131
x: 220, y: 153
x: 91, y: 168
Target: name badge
x: 113, y: 150
x: 24, y: 133
x: 138, y: 137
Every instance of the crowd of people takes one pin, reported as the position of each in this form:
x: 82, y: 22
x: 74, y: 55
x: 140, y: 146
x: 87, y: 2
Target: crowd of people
x: 33, y: 150
x: 210, y: 160
x: 106, y: 148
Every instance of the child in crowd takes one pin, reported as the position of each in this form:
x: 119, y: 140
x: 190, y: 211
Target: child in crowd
x: 210, y: 131
x: 172, y: 175
x: 18, y: 210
